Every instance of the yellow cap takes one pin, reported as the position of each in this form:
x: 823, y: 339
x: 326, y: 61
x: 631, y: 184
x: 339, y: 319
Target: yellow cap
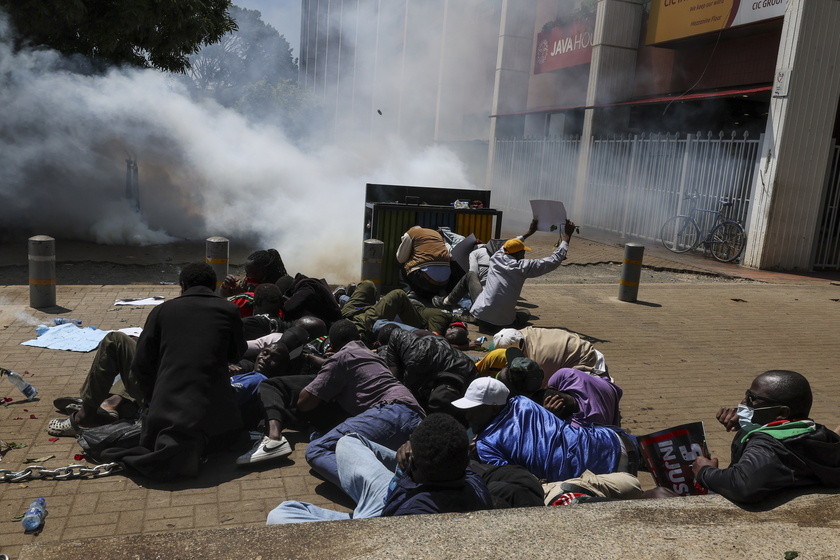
x: 514, y: 246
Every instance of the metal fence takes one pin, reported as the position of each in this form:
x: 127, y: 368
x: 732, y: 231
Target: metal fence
x: 827, y: 255
x: 633, y: 184
x: 527, y: 169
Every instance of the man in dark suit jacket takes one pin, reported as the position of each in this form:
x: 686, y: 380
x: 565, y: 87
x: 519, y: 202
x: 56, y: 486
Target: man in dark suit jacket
x: 182, y: 364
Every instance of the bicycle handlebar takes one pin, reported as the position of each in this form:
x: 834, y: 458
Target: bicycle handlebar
x: 723, y: 202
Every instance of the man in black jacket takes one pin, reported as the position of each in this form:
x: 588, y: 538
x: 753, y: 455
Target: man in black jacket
x: 310, y: 296
x: 181, y: 363
x: 434, y: 371
x: 776, y: 446
x: 268, y: 302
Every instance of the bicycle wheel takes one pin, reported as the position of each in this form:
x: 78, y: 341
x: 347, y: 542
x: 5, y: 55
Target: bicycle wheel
x: 680, y: 234
x: 727, y: 241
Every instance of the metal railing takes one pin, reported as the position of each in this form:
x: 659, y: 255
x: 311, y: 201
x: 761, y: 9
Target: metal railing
x: 827, y: 255
x: 526, y: 169
x: 633, y: 183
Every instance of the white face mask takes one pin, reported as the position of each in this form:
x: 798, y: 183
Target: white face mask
x: 745, y: 416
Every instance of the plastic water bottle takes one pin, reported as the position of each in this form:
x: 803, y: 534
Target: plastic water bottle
x: 28, y: 390
x: 35, y: 515
x: 63, y: 320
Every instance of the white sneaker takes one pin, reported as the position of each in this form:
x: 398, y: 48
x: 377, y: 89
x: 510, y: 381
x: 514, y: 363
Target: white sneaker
x: 265, y: 450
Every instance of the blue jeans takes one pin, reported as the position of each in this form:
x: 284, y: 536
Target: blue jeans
x: 386, y: 424
x: 365, y: 470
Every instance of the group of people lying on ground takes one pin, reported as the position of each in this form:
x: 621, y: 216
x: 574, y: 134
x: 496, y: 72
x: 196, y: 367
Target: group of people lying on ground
x: 398, y: 415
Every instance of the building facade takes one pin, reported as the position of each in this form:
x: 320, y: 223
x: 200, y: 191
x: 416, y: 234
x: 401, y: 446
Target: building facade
x: 496, y: 79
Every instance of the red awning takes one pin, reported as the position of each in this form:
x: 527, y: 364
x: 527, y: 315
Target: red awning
x: 650, y: 100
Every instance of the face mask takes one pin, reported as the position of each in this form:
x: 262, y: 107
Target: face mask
x: 745, y: 416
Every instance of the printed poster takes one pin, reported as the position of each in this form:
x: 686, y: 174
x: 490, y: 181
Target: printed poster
x: 669, y: 454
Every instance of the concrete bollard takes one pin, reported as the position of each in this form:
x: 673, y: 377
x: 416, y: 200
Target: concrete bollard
x: 217, y: 255
x: 41, y: 271
x: 372, y: 252
x: 631, y: 272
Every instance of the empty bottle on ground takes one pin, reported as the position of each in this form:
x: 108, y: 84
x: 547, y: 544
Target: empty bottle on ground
x: 35, y: 515
x: 28, y: 390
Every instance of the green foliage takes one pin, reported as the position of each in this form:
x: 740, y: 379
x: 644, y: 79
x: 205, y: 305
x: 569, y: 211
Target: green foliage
x: 253, y: 53
x: 146, y: 33
x: 252, y: 71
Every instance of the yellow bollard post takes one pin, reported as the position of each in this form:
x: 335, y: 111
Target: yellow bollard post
x: 631, y: 272
x: 217, y: 255
x: 41, y: 271
x: 372, y: 252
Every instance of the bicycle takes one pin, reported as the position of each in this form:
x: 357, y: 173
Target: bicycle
x: 725, y: 239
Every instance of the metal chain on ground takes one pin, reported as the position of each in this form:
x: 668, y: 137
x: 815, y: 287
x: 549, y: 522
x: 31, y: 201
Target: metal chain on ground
x: 61, y: 473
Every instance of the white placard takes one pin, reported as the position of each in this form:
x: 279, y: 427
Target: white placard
x: 551, y: 214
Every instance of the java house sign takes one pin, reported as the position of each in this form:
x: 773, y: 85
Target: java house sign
x: 566, y: 46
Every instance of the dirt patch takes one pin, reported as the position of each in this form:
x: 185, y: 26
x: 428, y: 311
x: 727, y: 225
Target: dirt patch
x: 107, y: 273
x: 610, y: 273
x: 85, y: 263
x: 100, y: 273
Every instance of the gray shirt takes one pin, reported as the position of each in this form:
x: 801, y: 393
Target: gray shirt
x: 357, y: 379
x: 497, y: 302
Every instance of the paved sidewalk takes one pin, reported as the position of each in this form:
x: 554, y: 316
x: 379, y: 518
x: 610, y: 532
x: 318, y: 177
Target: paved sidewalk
x: 680, y: 353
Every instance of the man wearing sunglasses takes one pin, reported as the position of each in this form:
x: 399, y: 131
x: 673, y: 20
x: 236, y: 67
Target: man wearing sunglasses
x: 776, y: 445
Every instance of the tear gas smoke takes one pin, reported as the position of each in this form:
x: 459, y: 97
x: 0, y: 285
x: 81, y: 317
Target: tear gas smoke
x: 203, y: 170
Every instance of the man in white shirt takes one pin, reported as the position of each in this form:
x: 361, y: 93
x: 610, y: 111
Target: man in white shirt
x: 496, y: 304
x: 472, y: 283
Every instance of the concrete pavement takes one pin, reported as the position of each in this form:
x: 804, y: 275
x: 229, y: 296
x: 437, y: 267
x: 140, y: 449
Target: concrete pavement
x: 679, y: 353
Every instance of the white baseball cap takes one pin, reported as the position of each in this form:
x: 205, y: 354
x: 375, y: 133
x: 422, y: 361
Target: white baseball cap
x: 484, y: 390
x: 507, y: 338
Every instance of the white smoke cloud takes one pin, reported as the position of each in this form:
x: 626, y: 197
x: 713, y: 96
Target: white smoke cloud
x: 203, y: 170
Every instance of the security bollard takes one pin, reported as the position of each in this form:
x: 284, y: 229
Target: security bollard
x: 41, y: 271
x: 631, y: 272
x: 372, y: 252
x: 217, y: 256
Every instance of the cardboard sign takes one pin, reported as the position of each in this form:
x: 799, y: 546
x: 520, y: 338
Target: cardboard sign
x: 551, y: 214
x: 461, y: 252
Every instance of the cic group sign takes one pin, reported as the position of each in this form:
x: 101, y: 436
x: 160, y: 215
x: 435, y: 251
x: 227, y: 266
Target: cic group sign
x: 562, y: 47
x: 675, y: 19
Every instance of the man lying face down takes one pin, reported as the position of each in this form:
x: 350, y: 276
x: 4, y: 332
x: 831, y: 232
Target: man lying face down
x: 518, y: 431
x: 428, y: 474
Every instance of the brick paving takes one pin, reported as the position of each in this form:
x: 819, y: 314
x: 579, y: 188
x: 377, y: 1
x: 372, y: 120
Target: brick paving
x: 679, y: 353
